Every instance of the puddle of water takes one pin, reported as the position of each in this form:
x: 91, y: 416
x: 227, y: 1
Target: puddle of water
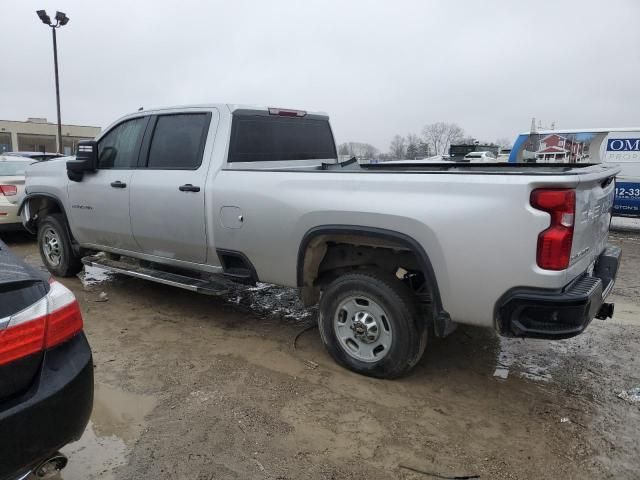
x: 116, y: 423
x: 94, y: 456
x: 120, y: 413
x: 531, y: 359
x: 91, y: 276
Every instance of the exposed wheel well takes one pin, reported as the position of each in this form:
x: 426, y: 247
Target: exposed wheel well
x: 325, y: 255
x: 42, y: 205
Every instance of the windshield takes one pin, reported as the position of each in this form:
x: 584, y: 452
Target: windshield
x: 9, y: 168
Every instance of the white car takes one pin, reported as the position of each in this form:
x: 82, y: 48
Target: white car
x: 11, y: 189
x: 480, y: 157
x: 503, y: 155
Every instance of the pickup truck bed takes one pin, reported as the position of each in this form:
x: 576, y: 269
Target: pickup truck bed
x: 388, y: 250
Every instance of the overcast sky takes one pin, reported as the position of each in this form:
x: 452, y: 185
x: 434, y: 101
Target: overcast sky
x: 377, y: 67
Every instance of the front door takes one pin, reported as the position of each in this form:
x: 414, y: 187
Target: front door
x: 167, y: 197
x: 99, y: 212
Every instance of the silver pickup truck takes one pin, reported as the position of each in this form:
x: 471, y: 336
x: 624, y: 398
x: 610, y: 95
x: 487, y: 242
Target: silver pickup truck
x: 391, y: 252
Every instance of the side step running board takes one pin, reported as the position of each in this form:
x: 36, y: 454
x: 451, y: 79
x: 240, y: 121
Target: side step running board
x: 195, y: 284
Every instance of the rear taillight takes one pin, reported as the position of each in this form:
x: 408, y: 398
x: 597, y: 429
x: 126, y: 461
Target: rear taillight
x: 554, y: 243
x: 8, y: 190
x: 64, y: 319
x: 45, y: 324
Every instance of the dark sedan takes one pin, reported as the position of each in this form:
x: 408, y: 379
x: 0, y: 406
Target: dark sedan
x: 46, y: 370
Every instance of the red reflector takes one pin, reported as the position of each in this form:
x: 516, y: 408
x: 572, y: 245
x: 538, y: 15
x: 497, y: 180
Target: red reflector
x: 554, y: 243
x: 21, y: 340
x: 8, y: 190
x: 63, y: 324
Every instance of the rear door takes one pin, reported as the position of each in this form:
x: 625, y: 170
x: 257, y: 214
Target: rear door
x: 167, y: 195
x: 100, y: 201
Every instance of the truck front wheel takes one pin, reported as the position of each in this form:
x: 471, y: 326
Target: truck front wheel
x: 369, y: 322
x: 55, y: 247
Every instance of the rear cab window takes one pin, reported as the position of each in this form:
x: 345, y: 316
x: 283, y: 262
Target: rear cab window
x: 260, y: 137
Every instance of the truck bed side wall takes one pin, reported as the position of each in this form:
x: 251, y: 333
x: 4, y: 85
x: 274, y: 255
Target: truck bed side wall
x: 479, y: 231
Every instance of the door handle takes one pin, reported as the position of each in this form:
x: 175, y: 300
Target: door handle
x: 188, y: 188
x: 118, y: 184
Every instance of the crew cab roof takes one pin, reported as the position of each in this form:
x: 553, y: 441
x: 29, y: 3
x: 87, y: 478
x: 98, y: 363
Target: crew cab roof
x: 232, y: 107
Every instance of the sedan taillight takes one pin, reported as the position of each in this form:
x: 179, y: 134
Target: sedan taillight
x: 45, y: 324
x: 8, y: 190
x: 554, y: 243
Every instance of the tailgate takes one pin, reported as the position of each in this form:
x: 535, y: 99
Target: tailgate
x: 594, y: 202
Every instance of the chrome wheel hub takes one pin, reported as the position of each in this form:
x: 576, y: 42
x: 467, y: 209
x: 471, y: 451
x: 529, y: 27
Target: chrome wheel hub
x: 51, y: 247
x: 363, y: 328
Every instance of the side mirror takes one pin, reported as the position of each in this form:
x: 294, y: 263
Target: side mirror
x: 86, y: 160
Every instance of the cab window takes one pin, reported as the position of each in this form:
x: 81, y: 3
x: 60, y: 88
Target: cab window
x: 178, y: 141
x: 119, y: 148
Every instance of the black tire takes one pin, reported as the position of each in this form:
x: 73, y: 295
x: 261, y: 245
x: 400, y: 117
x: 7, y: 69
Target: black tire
x: 401, y: 318
x: 68, y: 263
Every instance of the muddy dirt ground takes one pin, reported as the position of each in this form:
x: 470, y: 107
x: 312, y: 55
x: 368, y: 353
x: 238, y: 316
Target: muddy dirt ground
x: 195, y: 387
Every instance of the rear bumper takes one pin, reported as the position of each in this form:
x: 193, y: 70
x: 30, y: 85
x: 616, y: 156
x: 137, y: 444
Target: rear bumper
x: 557, y: 314
x: 54, y: 412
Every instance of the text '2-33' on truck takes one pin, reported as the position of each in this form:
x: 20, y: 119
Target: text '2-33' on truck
x: 189, y: 196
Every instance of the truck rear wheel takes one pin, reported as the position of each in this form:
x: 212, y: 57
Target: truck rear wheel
x: 369, y: 322
x: 55, y: 247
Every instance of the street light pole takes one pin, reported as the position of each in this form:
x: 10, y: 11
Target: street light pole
x: 55, y: 63
x: 61, y: 20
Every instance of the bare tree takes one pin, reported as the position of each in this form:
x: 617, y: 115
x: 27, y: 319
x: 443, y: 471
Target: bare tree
x: 440, y: 135
x: 358, y: 150
x: 397, y: 148
x: 413, y: 143
x: 504, y: 142
x: 424, y: 151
